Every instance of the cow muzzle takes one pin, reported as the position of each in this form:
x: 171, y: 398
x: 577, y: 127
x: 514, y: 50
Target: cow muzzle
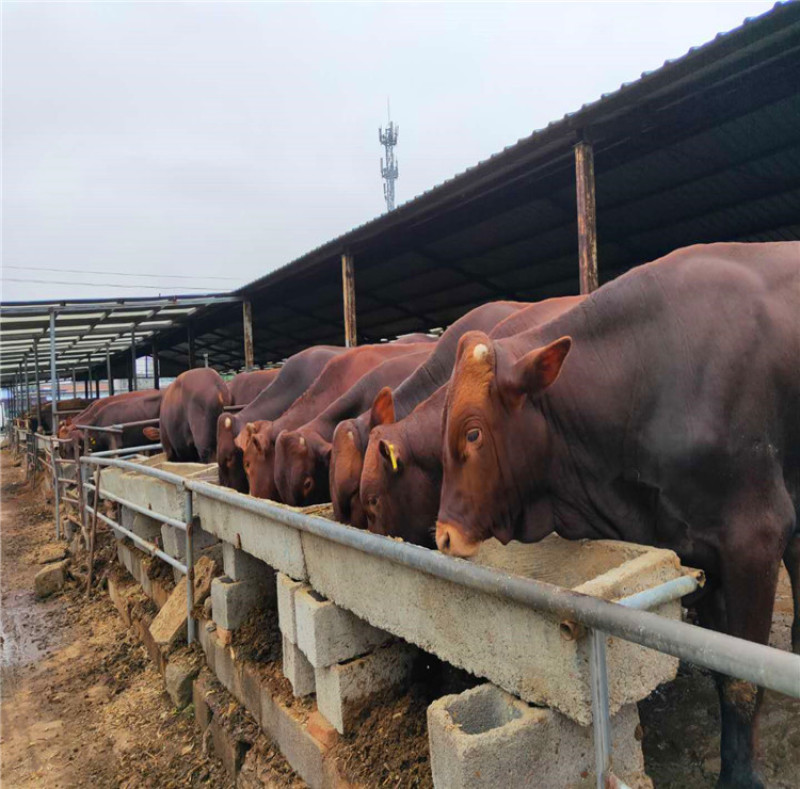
x: 450, y: 540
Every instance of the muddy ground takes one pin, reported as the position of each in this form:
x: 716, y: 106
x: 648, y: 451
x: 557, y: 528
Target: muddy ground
x: 83, y: 705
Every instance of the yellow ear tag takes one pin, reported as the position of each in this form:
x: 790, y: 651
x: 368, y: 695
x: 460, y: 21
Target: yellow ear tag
x: 392, y: 456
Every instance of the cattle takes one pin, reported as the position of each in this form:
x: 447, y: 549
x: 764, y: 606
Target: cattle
x: 662, y: 411
x: 350, y: 437
x: 296, y: 375
x: 302, y: 456
x: 75, y: 404
x: 85, y: 417
x: 245, y: 387
x: 67, y: 429
x: 402, y: 474
x: 258, y: 441
x: 188, y: 417
x: 141, y: 406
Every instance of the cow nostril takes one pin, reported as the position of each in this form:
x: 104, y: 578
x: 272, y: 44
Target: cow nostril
x: 445, y: 541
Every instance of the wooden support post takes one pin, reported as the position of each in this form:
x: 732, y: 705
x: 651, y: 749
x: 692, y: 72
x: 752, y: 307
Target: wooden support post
x: 133, y: 384
x: 156, y: 366
x: 109, y: 374
x: 349, y: 297
x: 587, y: 218
x: 247, y: 325
x: 190, y: 340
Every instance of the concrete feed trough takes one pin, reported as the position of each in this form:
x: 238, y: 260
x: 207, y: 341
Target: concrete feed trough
x: 162, y: 497
x: 516, y: 648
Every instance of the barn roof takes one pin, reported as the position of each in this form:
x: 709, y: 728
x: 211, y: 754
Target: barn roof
x: 705, y: 148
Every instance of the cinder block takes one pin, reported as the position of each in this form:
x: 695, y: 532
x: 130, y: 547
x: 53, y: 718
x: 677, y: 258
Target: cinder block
x: 486, y: 738
x: 286, y: 590
x: 344, y: 689
x: 142, y: 526
x: 329, y: 634
x: 251, y: 690
x: 304, y: 753
x: 242, y: 566
x: 200, y: 689
x: 232, y: 601
x: 174, y: 541
x: 223, y: 664
x: 297, y: 669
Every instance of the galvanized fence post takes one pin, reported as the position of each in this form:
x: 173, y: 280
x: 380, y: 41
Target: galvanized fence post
x: 56, y: 491
x: 188, y: 513
x: 601, y: 723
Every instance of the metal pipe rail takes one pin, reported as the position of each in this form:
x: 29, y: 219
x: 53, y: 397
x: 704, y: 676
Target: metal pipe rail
x: 139, y: 423
x: 97, y: 429
x: 763, y: 665
x: 138, y: 508
x: 187, y: 526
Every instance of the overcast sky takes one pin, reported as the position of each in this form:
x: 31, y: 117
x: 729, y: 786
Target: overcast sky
x: 205, y: 140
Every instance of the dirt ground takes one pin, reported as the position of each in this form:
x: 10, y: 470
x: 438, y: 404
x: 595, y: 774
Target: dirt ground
x: 82, y: 705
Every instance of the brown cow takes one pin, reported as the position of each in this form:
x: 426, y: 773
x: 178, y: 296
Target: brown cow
x: 302, y: 456
x: 402, y: 475
x: 245, y: 387
x: 68, y: 429
x: 662, y: 411
x: 350, y: 437
x: 139, y: 408
x: 258, y: 442
x: 296, y: 375
x: 188, y: 417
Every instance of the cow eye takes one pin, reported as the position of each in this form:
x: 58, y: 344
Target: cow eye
x: 473, y: 434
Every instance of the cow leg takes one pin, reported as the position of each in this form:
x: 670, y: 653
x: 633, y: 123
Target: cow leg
x: 791, y: 558
x: 749, y: 574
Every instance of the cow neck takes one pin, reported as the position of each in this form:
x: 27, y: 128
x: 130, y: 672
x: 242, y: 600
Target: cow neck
x: 422, y: 432
x: 591, y: 411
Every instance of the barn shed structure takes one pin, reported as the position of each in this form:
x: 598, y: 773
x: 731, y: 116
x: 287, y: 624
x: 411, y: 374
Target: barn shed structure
x: 705, y: 148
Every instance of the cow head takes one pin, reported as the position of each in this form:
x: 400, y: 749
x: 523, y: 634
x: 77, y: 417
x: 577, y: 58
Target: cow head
x: 301, y: 467
x: 496, y: 442
x: 230, y: 460
x: 399, y: 494
x: 259, y: 460
x: 344, y: 475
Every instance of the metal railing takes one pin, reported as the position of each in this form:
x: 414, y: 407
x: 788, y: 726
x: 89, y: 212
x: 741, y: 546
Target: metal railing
x: 626, y: 619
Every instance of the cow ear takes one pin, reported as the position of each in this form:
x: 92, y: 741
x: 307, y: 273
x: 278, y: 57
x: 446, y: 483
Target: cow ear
x: 152, y: 433
x: 389, y: 454
x: 540, y: 368
x: 382, y: 412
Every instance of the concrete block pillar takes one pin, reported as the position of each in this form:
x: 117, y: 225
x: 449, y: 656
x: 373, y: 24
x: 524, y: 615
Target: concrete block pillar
x: 328, y: 634
x: 297, y: 669
x: 485, y: 738
x: 346, y: 688
x: 232, y: 601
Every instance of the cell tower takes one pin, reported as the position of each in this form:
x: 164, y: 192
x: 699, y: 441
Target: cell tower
x: 388, y: 140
